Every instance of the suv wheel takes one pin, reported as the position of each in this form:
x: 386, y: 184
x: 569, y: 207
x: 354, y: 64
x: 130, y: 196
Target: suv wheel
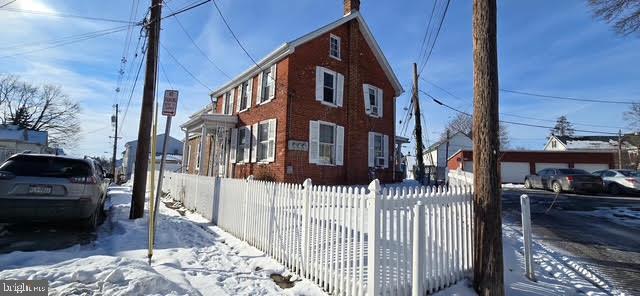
x: 615, y: 189
x: 556, y: 187
x: 91, y: 223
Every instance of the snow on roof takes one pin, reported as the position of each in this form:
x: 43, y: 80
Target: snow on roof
x: 16, y: 133
x: 595, y: 145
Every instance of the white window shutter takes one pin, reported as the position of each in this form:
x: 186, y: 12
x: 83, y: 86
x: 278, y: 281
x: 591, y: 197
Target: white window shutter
x: 385, y: 149
x: 319, y: 83
x: 314, y: 137
x: 339, y: 145
x: 254, y: 143
x: 380, y: 101
x: 231, y: 101
x: 271, y: 154
x: 365, y: 93
x: 234, y: 144
x: 340, y: 89
x: 272, y: 82
x: 247, y: 141
x: 249, y: 93
x: 224, y: 103
x: 259, y: 95
x: 239, y: 93
x: 371, y: 150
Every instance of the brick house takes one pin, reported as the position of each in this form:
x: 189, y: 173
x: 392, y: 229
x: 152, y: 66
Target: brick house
x: 321, y: 106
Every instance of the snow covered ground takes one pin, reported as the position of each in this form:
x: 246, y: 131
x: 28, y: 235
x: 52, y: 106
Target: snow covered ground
x: 191, y: 258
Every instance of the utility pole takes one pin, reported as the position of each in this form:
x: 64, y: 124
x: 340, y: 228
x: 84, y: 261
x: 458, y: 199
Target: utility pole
x: 418, y: 129
x: 146, y: 113
x: 619, y: 149
x: 115, y: 143
x: 446, y: 151
x: 487, y: 229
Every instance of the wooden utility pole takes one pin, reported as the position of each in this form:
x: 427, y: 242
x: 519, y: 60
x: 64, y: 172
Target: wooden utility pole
x: 619, y: 149
x: 115, y: 144
x: 487, y: 255
x: 418, y: 128
x: 446, y: 150
x: 146, y: 113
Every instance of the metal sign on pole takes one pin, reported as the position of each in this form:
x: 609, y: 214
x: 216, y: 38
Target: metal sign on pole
x: 169, y: 107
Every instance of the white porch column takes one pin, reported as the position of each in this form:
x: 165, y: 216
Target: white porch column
x: 185, y: 152
x: 213, y: 168
x: 203, y: 138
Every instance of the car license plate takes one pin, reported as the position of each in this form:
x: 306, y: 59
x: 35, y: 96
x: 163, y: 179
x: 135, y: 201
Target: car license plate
x: 40, y: 189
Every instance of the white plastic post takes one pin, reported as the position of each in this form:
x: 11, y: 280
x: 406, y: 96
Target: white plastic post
x: 373, y: 260
x: 306, y: 201
x: 526, y: 233
x: 418, y: 250
x: 246, y: 203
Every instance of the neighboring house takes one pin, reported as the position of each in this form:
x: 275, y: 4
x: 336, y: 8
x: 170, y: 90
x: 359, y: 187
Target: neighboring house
x: 174, y: 151
x: 516, y: 164
x: 629, y: 149
x: 14, y: 139
x: 435, y: 157
x: 321, y: 106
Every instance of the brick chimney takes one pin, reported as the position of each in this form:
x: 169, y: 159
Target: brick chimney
x: 351, y: 6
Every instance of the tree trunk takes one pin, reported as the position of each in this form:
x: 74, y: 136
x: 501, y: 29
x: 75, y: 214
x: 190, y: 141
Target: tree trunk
x: 487, y: 258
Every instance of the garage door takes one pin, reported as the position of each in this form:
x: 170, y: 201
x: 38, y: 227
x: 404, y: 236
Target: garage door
x: 543, y: 165
x: 591, y: 167
x: 513, y: 172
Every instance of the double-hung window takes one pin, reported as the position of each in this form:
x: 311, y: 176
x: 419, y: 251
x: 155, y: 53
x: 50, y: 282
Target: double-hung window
x: 242, y: 144
x: 329, y: 87
x: 378, y: 150
x: 228, y: 103
x: 266, y: 85
x: 327, y: 143
x: 245, y: 96
x: 334, y: 47
x: 263, y: 141
x: 372, y: 100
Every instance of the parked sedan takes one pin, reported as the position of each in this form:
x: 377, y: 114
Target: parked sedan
x: 48, y: 188
x: 559, y: 180
x: 620, y: 181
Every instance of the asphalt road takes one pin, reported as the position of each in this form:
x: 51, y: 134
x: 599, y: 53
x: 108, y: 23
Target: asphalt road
x: 598, y: 232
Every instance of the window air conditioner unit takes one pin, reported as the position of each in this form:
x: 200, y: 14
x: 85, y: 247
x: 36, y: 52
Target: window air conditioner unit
x: 374, y: 110
x: 379, y: 161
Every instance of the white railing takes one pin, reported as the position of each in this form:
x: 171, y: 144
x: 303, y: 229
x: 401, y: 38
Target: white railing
x: 460, y: 178
x: 422, y: 235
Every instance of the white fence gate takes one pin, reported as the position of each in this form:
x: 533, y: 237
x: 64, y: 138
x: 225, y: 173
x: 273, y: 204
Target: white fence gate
x: 349, y: 240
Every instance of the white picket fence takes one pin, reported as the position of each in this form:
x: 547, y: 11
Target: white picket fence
x: 349, y: 240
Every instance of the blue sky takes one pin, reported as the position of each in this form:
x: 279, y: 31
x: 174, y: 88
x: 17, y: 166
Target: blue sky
x: 551, y: 47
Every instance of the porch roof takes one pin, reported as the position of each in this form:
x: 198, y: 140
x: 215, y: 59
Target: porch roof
x: 210, y: 121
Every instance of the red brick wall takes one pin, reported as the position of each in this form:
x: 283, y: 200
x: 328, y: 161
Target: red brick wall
x: 364, y: 69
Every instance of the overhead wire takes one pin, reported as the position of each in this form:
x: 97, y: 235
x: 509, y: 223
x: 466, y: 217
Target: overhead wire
x: 65, y: 15
x: 444, y: 14
x: 565, y: 98
x: 183, y: 67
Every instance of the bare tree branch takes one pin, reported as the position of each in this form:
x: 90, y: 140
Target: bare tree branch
x: 623, y: 14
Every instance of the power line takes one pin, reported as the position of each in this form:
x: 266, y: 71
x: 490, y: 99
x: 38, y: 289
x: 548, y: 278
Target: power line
x: 444, y: 14
x: 426, y: 31
x: 135, y: 82
x: 186, y: 9
x: 6, y: 4
x: 234, y: 34
x: 194, y: 42
x: 511, y: 122
x: 565, y: 98
x: 521, y: 116
x: 67, y: 15
x: 184, y: 68
x: 59, y: 40
x: 58, y: 44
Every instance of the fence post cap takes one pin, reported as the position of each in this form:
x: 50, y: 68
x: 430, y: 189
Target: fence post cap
x: 374, y: 186
x: 250, y: 177
x: 307, y: 183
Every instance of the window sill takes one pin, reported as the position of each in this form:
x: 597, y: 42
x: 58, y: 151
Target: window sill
x: 267, y: 101
x: 243, y: 110
x: 329, y: 104
x: 335, y: 58
x: 374, y: 116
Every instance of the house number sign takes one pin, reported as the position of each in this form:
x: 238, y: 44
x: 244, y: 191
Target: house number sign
x: 298, y: 145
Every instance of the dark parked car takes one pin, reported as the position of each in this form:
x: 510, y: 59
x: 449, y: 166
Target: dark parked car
x: 559, y: 180
x: 50, y: 188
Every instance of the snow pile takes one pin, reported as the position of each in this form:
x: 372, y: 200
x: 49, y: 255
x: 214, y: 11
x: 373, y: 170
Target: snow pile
x: 191, y: 258
x: 512, y: 186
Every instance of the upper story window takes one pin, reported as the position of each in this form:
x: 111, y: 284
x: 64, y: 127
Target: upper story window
x: 245, y: 95
x: 372, y: 100
x: 329, y: 87
x: 334, y: 46
x: 267, y: 81
x: 227, y: 103
x: 554, y: 144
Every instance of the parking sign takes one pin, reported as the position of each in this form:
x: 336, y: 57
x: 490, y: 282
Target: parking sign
x: 170, y: 103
